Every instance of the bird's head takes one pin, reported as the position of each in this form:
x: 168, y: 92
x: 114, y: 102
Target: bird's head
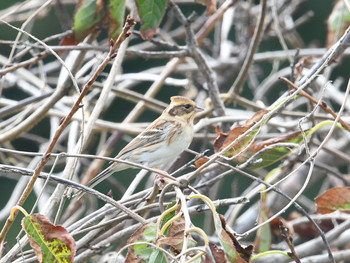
x: 181, y: 107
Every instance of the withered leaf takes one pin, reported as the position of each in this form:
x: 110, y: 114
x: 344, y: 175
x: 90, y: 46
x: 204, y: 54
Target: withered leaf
x: 51, y: 243
x: 215, y: 255
x: 210, y: 4
x: 225, y: 139
x: 175, y: 236
x: 234, y: 252
x: 337, y: 198
x: 243, y: 149
x: 244, y: 252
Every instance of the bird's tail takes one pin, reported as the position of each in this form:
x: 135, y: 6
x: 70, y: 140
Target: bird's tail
x: 100, y: 177
x: 96, y: 180
x: 104, y: 175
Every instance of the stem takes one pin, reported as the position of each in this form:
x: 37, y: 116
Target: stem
x: 77, y: 105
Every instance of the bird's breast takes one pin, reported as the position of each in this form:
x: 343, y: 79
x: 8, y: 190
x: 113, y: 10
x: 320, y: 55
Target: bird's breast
x: 175, y: 144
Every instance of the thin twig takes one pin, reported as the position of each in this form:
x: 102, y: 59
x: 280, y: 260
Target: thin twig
x: 41, y: 111
x: 277, y: 190
x: 289, y: 240
x: 5, y: 111
x: 212, y: 21
x: 25, y: 172
x: 254, y: 44
x: 201, y: 62
x: 278, y: 29
x: 323, y: 104
x: 25, y: 63
x: 158, y: 54
x: 125, y: 33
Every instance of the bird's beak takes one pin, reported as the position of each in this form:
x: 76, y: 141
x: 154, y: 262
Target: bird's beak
x: 198, y: 109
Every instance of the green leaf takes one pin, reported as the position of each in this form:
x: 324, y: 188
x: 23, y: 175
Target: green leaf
x: 263, y: 236
x: 151, y: 13
x: 157, y: 256
x: 168, y: 216
x: 93, y: 13
x: 275, y: 154
x: 267, y: 156
x: 225, y: 139
x: 89, y: 14
x: 338, y: 21
x: 116, y: 17
x: 145, y: 253
x: 234, y: 252
x: 50, y: 243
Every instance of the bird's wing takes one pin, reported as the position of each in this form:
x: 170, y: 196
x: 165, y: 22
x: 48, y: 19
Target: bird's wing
x: 156, y: 132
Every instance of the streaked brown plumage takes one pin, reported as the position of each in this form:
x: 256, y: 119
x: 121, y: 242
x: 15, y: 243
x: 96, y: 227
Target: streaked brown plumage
x: 162, y: 141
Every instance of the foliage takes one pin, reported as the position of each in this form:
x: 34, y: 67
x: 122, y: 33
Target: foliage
x: 50, y: 243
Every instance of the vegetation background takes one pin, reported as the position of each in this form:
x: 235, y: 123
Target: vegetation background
x: 209, y: 63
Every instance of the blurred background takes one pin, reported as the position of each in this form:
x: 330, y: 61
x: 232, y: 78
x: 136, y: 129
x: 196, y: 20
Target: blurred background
x: 303, y: 24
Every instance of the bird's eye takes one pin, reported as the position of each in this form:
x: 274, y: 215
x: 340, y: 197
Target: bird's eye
x: 187, y: 106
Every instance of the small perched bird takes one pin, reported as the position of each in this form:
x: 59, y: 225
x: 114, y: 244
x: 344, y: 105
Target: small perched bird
x: 161, y: 142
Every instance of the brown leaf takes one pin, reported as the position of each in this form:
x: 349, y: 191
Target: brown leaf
x: 215, y: 255
x: 256, y: 117
x: 244, y: 252
x: 175, y: 242
x: 224, y: 139
x: 337, y: 198
x: 268, y: 157
x: 175, y: 235
x: 37, y: 248
x: 43, y: 235
x: 275, y: 225
x: 68, y: 41
x: 210, y: 4
x: 308, y: 231
x: 148, y: 34
x: 200, y: 162
x: 132, y: 258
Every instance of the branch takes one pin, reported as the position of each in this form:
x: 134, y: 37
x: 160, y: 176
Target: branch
x: 111, y: 54
x: 6, y: 169
x: 323, y: 104
x: 201, y: 62
x: 243, y: 74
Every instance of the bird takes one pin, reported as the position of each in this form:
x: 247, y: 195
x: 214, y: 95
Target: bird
x: 161, y: 142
